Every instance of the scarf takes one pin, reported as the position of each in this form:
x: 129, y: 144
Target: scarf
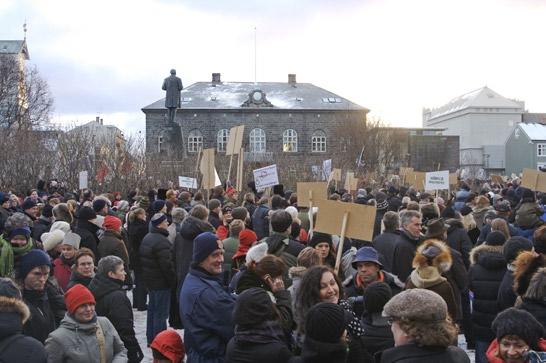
x: 7, y: 254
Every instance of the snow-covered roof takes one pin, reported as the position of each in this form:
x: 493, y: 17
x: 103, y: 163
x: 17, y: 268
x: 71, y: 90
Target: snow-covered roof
x: 232, y: 95
x: 14, y: 47
x: 481, y: 98
x: 534, y: 131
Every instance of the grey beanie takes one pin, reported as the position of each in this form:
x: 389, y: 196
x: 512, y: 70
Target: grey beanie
x: 417, y: 304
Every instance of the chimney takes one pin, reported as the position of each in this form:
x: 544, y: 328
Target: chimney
x: 292, y: 79
x: 97, y: 119
x: 101, y: 122
x: 216, y: 78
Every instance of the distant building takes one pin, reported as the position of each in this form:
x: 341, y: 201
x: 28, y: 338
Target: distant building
x: 483, y: 119
x: 100, y: 133
x: 526, y: 148
x: 13, y: 98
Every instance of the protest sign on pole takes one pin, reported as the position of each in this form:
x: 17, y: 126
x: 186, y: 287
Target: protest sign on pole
x: 187, y: 182
x: 416, y: 179
x: 266, y: 177
x: 497, y: 179
x: 351, y: 183
x: 437, y: 180
x: 240, y: 160
x: 534, y: 180
x: 207, y: 169
x: 346, y: 220
x: 308, y: 193
x: 83, y: 179
x: 326, y: 169
x: 235, y: 141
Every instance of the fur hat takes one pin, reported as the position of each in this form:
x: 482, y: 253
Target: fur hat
x: 433, y: 252
x: 514, y: 245
x: 11, y: 300
x: 417, y: 304
x: 256, y: 252
x: 520, y: 323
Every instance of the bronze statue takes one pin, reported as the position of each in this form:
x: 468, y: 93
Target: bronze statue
x: 173, y: 86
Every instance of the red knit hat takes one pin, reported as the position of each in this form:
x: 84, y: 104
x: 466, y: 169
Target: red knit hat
x: 169, y: 343
x: 246, y: 238
x: 111, y: 222
x: 76, y: 296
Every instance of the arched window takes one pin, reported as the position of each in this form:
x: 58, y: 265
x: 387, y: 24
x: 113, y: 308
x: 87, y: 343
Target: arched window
x: 195, y: 141
x: 257, y: 141
x: 318, y: 142
x: 222, y: 139
x: 289, y: 141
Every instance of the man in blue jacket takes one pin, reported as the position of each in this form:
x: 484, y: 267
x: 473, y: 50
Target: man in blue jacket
x: 205, y: 307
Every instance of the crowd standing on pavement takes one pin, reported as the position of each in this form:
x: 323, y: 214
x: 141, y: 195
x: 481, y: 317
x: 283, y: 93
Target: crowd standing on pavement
x: 248, y: 280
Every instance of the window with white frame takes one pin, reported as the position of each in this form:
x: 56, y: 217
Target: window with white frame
x: 159, y: 143
x: 222, y: 139
x: 195, y: 141
x: 318, y: 141
x: 290, y: 141
x: 541, y: 149
x: 257, y: 141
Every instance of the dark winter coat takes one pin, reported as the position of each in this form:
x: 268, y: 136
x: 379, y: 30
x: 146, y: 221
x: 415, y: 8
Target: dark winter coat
x: 76, y: 278
x: 113, y: 303
x: 214, y: 220
x: 88, y: 233
x: 457, y: 276
x: 506, y: 297
x: 46, y: 311
x: 41, y: 226
x: 260, y: 221
x: 285, y: 248
x: 136, y: 232
x: 385, y: 244
x: 458, y: 239
x: 485, y: 275
x: 157, y: 262
x: 264, y: 344
x: 320, y: 352
x: 537, y: 308
x: 183, y: 248
x: 377, y: 223
x: 16, y: 346
x: 111, y: 244
x: 412, y: 353
x: 206, y: 310
x: 377, y: 333
x: 527, y: 215
x: 404, y: 251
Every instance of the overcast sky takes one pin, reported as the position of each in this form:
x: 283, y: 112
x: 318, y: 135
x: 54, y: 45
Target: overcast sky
x: 394, y: 57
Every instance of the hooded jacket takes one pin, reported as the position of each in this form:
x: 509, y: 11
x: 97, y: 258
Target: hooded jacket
x: 485, y: 275
x: 458, y: 239
x: 157, y: 262
x: 136, y: 231
x: 75, y: 342
x: 21, y: 348
x: 111, y: 244
x: 88, y: 233
x: 113, y: 303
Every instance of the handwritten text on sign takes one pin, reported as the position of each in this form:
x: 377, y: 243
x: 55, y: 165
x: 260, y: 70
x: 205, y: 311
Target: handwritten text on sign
x: 266, y: 177
x: 437, y: 180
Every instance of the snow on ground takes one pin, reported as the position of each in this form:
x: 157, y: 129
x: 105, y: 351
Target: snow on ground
x: 140, y: 330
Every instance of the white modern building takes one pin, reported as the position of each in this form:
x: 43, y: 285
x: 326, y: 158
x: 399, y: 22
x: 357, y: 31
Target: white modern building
x: 483, y: 120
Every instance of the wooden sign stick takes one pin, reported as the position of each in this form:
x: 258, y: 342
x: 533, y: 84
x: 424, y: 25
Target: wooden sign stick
x: 341, y: 241
x: 310, y: 212
x: 229, y: 169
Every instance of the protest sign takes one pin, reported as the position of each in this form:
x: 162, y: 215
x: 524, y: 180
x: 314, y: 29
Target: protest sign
x: 351, y: 183
x: 437, y: 180
x: 83, y: 179
x: 534, y: 180
x: 345, y: 220
x: 311, y: 192
x: 335, y: 175
x: 496, y: 179
x: 453, y: 179
x: 266, y: 177
x: 235, y: 140
x: 416, y: 179
x: 187, y: 182
x: 207, y: 169
x: 326, y: 169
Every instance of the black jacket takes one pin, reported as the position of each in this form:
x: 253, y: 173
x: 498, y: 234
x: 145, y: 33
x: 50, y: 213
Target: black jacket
x: 260, y: 221
x: 458, y: 239
x: 156, y: 258
x: 76, y: 278
x: 183, y: 247
x: 41, y: 226
x: 214, y: 219
x: 112, y: 302
x: 485, y: 275
x: 506, y: 297
x: 16, y: 346
x: 385, y: 245
x: 136, y: 232
x: 46, y: 311
x: 320, y: 352
x: 377, y: 333
x: 88, y: 233
x: 536, y: 308
x: 412, y: 353
x: 404, y: 251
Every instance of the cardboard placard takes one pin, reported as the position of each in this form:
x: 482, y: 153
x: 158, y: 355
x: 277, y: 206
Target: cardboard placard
x: 534, y: 180
x: 235, y: 140
x: 453, y: 179
x: 437, y: 180
x: 83, y: 177
x: 416, y: 179
x: 207, y: 169
x: 319, y: 191
x: 496, y: 179
x: 187, y: 182
x: 266, y: 177
x: 351, y: 183
x: 336, y: 175
x: 405, y: 171
x: 360, y: 222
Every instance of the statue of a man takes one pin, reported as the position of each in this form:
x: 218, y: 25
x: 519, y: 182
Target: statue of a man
x: 173, y: 86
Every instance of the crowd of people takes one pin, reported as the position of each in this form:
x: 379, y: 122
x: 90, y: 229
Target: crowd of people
x: 248, y: 280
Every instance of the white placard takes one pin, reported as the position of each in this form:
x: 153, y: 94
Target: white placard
x: 326, y: 169
x: 266, y: 177
x: 437, y: 180
x: 216, y: 178
x: 83, y: 180
x: 187, y: 182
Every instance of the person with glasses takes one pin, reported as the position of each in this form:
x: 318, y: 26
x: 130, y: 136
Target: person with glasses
x: 422, y: 329
x: 83, y: 269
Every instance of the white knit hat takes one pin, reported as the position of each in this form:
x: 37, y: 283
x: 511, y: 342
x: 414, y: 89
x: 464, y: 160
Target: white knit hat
x: 256, y: 252
x: 61, y: 225
x: 50, y: 240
